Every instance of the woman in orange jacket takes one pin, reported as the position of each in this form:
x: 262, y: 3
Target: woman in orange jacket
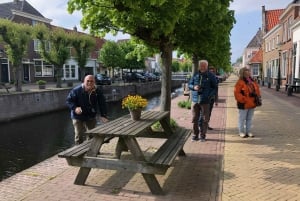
x: 245, y: 92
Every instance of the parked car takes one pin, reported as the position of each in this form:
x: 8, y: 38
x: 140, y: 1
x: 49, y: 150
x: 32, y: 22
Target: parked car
x: 102, y: 79
x: 134, y: 77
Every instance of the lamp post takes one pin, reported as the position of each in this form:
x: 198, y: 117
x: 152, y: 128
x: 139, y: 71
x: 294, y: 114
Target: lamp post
x: 278, y: 73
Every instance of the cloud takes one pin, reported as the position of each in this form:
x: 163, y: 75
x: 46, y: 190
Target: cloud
x: 247, y: 6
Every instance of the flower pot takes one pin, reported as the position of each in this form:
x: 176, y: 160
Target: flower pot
x: 135, y: 114
x: 42, y: 86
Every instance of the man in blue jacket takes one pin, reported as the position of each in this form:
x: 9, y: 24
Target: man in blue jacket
x: 203, y: 88
x: 85, y: 101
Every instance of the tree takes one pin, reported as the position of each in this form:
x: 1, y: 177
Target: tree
x: 111, y: 55
x: 16, y: 37
x: 55, y: 47
x: 83, y: 44
x: 135, y: 54
x: 204, y: 32
x: 151, y: 21
x: 175, y: 66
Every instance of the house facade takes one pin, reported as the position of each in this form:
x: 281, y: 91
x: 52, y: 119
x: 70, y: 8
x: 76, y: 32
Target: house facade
x: 33, y: 66
x: 252, y: 48
x: 296, y: 51
x: 278, y: 44
x: 287, y: 19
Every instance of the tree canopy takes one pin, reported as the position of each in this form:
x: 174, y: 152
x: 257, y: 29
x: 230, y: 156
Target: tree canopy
x: 55, y: 47
x: 17, y: 38
x: 165, y: 25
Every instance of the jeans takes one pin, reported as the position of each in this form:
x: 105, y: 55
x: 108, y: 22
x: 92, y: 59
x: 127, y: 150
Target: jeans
x: 200, y: 111
x: 80, y: 127
x: 245, y: 120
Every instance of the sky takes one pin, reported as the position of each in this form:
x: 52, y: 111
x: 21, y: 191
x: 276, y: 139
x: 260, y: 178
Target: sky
x: 247, y: 15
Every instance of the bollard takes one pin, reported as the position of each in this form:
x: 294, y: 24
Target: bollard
x: 289, y: 91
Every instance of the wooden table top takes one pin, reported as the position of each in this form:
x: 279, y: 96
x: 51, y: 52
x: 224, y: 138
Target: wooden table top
x: 124, y: 125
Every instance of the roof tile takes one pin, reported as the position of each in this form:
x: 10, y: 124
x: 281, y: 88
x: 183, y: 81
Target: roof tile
x: 272, y: 18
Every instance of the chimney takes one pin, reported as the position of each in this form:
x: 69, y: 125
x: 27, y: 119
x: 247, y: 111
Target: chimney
x: 263, y: 26
x: 75, y: 28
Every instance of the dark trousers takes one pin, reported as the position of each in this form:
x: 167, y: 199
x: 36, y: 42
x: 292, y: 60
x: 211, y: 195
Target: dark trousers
x: 200, y: 111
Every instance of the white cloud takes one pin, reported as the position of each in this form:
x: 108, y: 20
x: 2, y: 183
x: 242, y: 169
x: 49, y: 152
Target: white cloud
x: 246, y: 6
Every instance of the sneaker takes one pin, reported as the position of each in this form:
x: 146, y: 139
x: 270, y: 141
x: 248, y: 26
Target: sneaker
x: 210, y: 128
x: 202, y: 139
x: 250, y: 135
x: 243, y: 135
x: 195, y: 138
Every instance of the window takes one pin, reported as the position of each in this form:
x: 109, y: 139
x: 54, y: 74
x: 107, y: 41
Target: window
x: 43, y: 69
x: 255, y: 70
x: 37, y: 45
x: 288, y: 28
x: 69, y: 71
x: 283, y: 65
x: 285, y: 32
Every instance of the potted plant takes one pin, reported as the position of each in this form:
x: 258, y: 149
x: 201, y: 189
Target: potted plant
x: 135, y: 104
x: 41, y: 84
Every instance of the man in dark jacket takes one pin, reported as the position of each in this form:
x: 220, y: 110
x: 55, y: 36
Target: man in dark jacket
x: 85, y: 101
x: 203, y: 86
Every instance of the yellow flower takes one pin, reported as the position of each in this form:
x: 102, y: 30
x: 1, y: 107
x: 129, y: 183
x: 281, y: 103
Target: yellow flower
x: 134, y: 102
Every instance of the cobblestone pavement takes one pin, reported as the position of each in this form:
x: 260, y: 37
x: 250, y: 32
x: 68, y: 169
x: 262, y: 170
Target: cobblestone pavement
x: 195, y: 177
x: 266, y: 167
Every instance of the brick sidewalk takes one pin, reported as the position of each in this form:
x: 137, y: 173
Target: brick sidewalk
x: 195, y: 177
x: 225, y: 167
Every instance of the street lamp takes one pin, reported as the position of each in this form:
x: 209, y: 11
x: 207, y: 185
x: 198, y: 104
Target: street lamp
x: 278, y: 73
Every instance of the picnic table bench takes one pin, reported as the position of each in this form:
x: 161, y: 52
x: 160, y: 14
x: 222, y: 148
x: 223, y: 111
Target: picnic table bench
x: 88, y: 154
x: 5, y: 86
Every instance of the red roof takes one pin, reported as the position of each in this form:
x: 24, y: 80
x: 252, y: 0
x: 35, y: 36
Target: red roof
x: 272, y: 18
x: 257, y: 58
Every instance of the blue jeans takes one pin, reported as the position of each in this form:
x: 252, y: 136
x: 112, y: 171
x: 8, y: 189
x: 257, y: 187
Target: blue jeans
x: 245, y: 120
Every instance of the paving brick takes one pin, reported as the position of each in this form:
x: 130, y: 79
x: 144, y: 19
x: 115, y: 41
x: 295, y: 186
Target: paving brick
x: 225, y: 167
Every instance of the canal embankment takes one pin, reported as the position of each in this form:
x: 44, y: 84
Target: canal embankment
x: 34, y: 102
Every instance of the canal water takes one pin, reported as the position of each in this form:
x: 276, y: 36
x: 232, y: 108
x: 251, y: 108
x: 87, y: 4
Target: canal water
x: 27, y: 142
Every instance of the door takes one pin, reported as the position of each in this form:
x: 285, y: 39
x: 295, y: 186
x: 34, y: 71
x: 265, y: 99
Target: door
x: 4, y: 70
x: 26, y: 72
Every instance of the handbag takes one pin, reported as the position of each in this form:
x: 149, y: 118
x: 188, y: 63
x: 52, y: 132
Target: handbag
x: 258, y: 100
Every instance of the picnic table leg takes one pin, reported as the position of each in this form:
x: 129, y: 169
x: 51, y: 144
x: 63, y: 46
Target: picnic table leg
x: 137, y: 153
x: 121, y: 146
x: 166, y: 126
x: 83, y: 172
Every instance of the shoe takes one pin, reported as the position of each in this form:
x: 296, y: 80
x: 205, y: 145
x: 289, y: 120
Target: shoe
x: 243, y: 135
x: 250, y: 135
x: 210, y: 128
x: 195, y: 138
x: 202, y: 140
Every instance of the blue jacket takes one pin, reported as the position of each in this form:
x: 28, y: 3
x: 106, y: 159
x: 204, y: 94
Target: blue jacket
x: 91, y: 104
x: 208, y: 83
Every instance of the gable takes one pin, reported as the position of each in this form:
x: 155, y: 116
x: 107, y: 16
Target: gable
x: 6, y: 9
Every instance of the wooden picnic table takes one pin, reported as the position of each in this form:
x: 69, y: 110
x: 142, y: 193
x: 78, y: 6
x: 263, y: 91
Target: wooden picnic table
x: 87, y: 155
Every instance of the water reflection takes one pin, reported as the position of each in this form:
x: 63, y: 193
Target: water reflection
x: 27, y: 142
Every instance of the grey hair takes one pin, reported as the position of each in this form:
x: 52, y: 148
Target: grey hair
x: 203, y: 61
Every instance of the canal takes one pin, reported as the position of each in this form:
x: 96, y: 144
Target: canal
x: 27, y: 142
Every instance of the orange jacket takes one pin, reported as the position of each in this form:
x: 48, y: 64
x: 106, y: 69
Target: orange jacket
x: 243, y: 93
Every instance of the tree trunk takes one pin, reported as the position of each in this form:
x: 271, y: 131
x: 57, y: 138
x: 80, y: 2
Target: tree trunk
x: 18, y: 77
x: 166, y: 56
x: 58, y: 77
x: 195, y: 64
